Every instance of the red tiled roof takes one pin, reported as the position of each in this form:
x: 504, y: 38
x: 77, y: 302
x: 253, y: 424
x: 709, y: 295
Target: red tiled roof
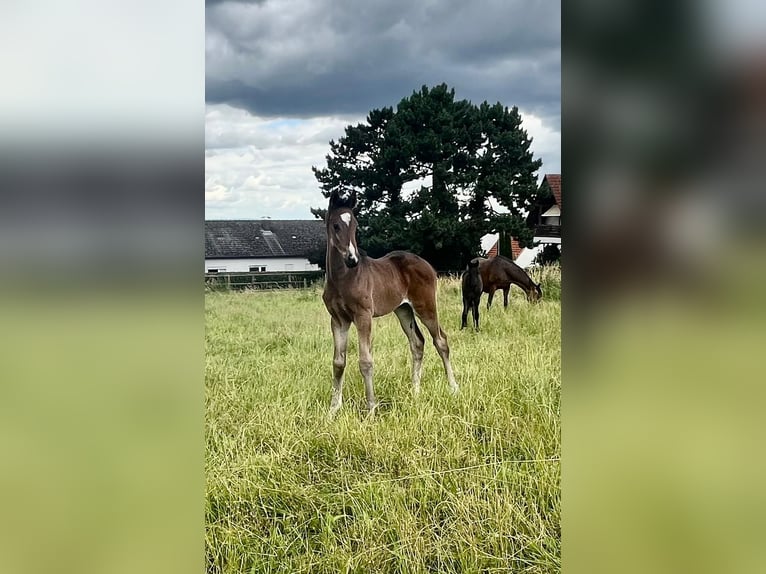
x: 515, y: 249
x: 554, y: 182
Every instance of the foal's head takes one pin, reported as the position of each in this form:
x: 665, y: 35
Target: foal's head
x: 341, y: 228
x: 472, y: 269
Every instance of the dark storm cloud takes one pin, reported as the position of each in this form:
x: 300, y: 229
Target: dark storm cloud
x: 309, y: 57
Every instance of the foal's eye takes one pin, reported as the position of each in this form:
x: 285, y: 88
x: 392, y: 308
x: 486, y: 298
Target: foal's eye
x: 336, y: 227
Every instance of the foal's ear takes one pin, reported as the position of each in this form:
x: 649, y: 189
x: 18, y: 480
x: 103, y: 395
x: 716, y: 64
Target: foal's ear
x: 337, y: 200
x: 334, y: 199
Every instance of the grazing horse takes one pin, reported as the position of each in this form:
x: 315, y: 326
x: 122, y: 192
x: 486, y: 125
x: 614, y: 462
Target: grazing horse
x: 499, y: 273
x: 358, y: 288
x: 472, y: 288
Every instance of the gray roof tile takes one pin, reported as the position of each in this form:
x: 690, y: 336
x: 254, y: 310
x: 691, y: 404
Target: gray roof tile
x: 241, y: 238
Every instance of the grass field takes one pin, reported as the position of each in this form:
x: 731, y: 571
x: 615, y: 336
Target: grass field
x: 437, y: 483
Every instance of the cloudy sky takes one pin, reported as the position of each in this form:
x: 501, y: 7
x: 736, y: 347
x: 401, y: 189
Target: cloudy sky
x: 284, y: 77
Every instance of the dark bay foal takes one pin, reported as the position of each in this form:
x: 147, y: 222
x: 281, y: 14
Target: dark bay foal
x: 358, y: 288
x: 472, y: 288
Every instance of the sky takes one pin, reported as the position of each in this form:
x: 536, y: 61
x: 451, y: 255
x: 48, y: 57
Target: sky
x: 284, y: 77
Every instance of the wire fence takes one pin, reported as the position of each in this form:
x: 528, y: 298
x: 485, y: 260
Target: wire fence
x: 262, y: 281
x: 238, y: 281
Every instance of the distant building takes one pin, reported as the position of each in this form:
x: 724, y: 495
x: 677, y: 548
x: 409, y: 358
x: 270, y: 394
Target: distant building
x: 516, y: 249
x: 262, y: 245
x: 545, y: 218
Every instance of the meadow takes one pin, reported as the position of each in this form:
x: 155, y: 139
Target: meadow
x: 434, y: 483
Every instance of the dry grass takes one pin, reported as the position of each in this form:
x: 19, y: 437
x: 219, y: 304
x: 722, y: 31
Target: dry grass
x: 430, y: 484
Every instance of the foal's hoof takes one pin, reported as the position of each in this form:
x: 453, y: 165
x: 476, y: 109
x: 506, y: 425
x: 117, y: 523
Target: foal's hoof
x: 372, y: 409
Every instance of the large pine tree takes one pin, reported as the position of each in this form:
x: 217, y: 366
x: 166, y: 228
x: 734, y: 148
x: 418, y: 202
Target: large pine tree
x: 466, y: 158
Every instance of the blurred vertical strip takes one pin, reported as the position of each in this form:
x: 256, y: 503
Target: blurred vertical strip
x: 664, y: 146
x: 101, y: 213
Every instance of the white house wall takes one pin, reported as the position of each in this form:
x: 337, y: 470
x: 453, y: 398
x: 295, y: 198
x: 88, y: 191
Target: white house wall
x: 527, y: 256
x: 271, y: 264
x: 548, y: 239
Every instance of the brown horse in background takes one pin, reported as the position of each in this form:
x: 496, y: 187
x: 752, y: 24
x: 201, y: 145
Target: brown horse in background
x: 500, y: 273
x: 358, y: 288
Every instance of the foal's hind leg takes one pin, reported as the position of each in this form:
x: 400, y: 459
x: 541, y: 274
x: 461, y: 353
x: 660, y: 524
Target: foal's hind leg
x: 427, y: 314
x: 475, y: 311
x: 410, y: 327
x: 505, y: 297
x: 340, y: 341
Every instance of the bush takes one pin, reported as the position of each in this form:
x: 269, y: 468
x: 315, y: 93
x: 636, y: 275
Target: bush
x: 551, y: 254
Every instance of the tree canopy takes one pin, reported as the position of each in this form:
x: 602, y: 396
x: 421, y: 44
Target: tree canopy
x: 428, y: 173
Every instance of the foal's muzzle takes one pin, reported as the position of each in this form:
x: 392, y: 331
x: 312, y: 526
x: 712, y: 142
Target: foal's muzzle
x: 351, y: 261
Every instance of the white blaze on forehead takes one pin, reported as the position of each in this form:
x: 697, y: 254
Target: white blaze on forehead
x: 346, y: 217
x: 352, y: 250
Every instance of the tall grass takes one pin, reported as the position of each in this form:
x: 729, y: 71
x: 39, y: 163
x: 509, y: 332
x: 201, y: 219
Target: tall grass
x: 437, y: 483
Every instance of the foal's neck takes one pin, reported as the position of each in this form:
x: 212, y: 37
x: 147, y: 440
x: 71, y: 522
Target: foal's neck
x: 336, y: 267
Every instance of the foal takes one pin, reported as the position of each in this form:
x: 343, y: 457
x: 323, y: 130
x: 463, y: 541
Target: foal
x: 358, y: 288
x: 472, y: 288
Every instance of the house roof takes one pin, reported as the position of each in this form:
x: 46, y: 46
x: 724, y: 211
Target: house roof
x: 487, y: 241
x: 516, y: 249
x: 263, y: 238
x: 554, y: 182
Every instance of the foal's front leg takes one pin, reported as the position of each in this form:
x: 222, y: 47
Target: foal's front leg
x: 363, y: 324
x: 340, y: 341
